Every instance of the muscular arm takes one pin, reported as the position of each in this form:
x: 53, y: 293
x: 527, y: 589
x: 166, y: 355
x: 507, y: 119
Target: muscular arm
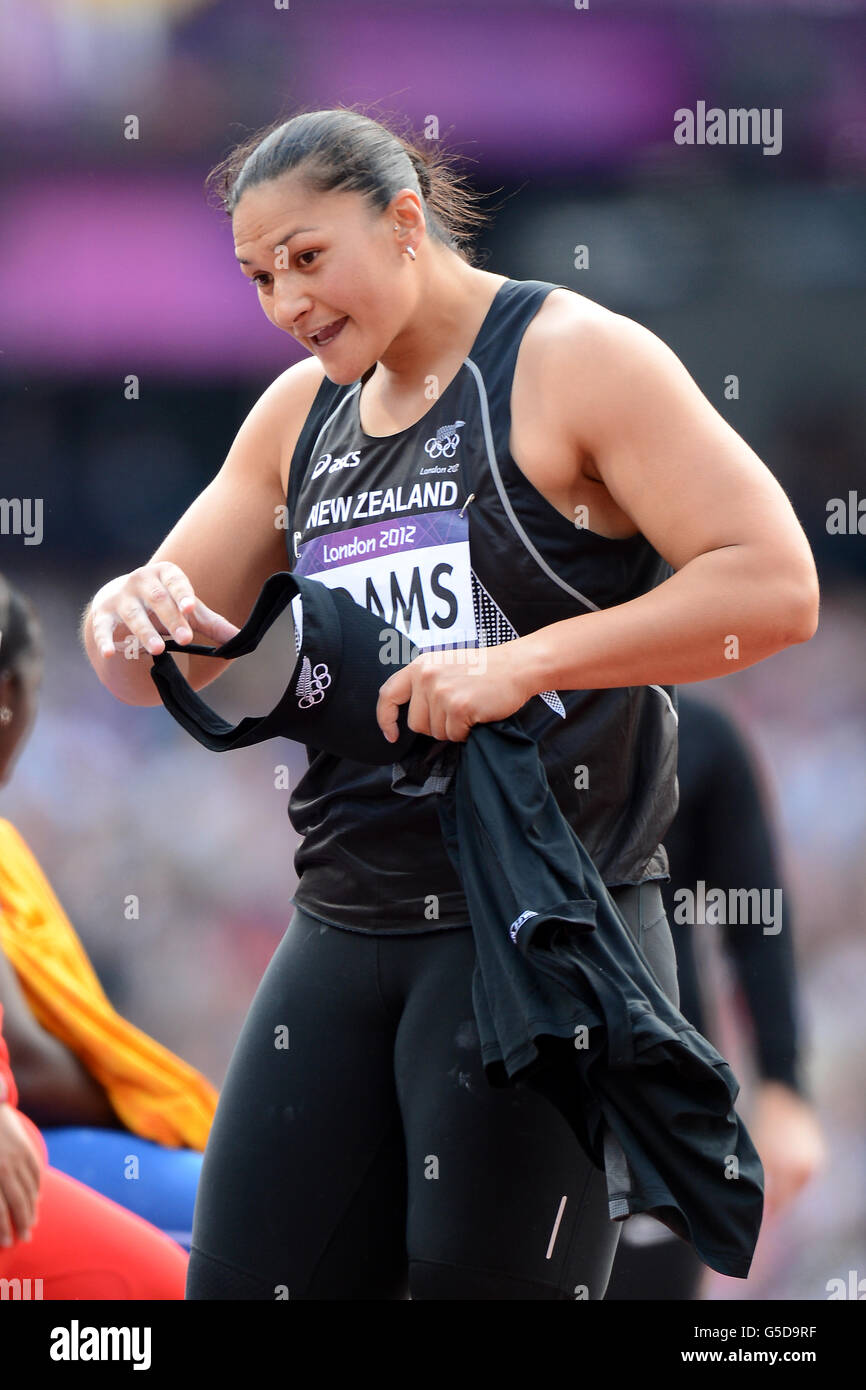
x: 744, y: 585
x: 54, y: 1087
x: 227, y: 542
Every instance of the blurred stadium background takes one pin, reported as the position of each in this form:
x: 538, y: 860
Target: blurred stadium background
x: 112, y: 263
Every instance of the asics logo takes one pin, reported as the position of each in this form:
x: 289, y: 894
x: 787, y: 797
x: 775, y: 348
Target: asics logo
x: 518, y: 922
x: 444, y: 442
x: 312, y: 683
x: 328, y: 463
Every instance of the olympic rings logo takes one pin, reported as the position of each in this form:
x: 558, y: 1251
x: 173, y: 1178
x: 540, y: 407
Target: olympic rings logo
x: 444, y: 442
x: 315, y: 682
x: 436, y: 449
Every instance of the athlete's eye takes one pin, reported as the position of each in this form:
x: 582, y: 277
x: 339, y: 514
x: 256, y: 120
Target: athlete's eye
x: 262, y: 277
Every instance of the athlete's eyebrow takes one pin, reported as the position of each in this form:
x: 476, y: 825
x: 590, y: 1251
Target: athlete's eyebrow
x: 283, y: 241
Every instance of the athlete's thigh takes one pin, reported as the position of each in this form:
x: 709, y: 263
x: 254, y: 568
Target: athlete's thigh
x: 302, y: 1192
x: 503, y: 1202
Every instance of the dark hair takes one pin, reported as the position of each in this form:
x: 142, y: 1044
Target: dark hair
x: 20, y: 634
x: 344, y: 150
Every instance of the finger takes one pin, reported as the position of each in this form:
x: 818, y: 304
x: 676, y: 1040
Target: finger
x: 28, y: 1172
x: 457, y: 727
x: 188, y: 611
x: 177, y: 584
x: 418, y: 714
x: 6, y: 1236
x: 212, y: 624
x: 25, y: 1218
x: 103, y: 624
x: 437, y: 718
x: 22, y: 1206
x: 34, y: 1189
x: 162, y: 588
x: 132, y: 611
x: 32, y: 1172
x: 395, y: 691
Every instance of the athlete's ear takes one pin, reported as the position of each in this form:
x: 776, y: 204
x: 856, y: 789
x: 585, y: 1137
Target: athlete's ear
x: 406, y: 212
x: 395, y: 692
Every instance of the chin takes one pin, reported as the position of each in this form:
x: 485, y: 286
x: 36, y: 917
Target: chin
x: 342, y: 376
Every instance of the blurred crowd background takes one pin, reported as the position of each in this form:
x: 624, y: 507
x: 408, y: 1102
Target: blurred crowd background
x: 112, y: 263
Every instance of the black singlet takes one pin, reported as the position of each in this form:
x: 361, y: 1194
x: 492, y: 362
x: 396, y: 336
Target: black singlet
x: 436, y: 529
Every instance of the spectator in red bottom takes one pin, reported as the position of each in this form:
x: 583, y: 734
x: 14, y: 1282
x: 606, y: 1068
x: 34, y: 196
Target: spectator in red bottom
x: 60, y: 1239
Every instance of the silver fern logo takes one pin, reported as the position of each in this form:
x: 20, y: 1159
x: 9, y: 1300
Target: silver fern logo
x: 444, y: 442
x: 312, y: 683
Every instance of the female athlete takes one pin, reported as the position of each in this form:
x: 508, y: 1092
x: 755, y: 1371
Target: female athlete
x: 482, y: 462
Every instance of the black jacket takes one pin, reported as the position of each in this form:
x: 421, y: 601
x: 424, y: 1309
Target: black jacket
x: 564, y: 1000
x: 566, y: 1003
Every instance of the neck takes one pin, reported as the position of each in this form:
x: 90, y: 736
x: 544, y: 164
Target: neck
x: 452, y: 301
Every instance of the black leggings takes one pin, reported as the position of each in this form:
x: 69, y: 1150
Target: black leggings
x: 359, y: 1152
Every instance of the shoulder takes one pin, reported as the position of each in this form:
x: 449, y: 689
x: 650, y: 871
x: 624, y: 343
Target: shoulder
x: 594, y: 373
x: 281, y: 409
x: 291, y: 394
x: 569, y: 326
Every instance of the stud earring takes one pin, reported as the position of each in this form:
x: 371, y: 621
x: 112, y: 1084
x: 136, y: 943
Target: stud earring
x: 407, y: 250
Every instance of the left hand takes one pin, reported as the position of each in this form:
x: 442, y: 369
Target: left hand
x: 450, y: 691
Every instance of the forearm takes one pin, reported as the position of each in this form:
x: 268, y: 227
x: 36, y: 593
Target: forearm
x: 55, y: 1088
x: 721, y: 612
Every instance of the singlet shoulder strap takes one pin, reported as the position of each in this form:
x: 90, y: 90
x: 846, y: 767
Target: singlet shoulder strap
x: 329, y: 398
x: 494, y: 353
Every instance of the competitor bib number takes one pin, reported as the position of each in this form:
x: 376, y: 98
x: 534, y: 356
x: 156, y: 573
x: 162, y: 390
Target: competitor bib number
x: 414, y: 573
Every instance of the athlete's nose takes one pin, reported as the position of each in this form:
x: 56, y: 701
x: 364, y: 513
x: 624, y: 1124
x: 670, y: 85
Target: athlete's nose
x: 290, y: 307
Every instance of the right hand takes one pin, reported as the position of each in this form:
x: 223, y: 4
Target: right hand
x: 154, y: 596
x: 20, y: 1176
x: 791, y: 1145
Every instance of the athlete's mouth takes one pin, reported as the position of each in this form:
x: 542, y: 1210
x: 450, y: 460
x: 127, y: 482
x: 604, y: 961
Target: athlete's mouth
x: 328, y: 332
